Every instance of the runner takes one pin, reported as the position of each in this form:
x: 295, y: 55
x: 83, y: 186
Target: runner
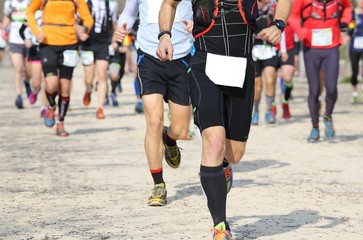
x: 287, y: 66
x: 2, y: 42
x: 14, y: 16
x: 266, y: 63
x: 35, y: 64
x: 356, y: 46
x: 160, y: 81
x: 95, y: 50
x: 318, y: 25
x: 221, y: 81
x: 58, y: 50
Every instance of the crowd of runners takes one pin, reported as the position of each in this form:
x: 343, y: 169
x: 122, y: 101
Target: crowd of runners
x: 213, y: 59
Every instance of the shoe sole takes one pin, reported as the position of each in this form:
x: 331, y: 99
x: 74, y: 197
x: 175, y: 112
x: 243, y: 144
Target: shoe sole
x: 156, y: 203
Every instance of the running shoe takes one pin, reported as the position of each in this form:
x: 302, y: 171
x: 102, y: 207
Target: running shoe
x: 139, y: 107
x: 273, y: 110
x: 228, y: 172
x: 172, y: 153
x: 221, y: 233
x: 60, y: 130
x: 107, y: 101
x: 314, y: 135
x: 43, y: 113
x: 355, y: 97
x: 269, y: 117
x: 158, y: 195
x: 100, y: 114
x: 28, y: 89
x: 49, y: 118
x: 19, y: 102
x: 255, y: 118
x: 286, y: 111
x: 114, y: 100
x: 33, y: 98
x: 87, y: 98
x: 329, y: 128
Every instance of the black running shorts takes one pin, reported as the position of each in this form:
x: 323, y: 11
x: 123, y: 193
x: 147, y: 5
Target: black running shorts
x: 215, y: 105
x: 99, y: 49
x: 290, y: 60
x: 261, y: 64
x: 33, y: 54
x: 166, y: 78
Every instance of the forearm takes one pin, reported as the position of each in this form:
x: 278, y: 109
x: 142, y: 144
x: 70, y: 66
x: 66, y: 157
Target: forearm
x: 6, y: 22
x: 283, y: 10
x: 30, y: 14
x: 167, y: 14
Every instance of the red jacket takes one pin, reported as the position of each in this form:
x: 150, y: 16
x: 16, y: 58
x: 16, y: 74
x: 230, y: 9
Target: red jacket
x: 307, y: 21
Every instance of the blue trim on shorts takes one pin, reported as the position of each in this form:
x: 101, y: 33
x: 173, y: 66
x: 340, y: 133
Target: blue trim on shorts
x: 140, y: 57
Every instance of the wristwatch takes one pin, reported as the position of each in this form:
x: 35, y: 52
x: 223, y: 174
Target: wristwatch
x: 280, y: 24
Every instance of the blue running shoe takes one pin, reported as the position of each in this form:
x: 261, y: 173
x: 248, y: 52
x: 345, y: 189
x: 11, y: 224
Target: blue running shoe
x: 114, y: 100
x: 220, y: 232
x: 19, y: 102
x: 28, y: 89
x: 139, y: 107
x: 329, y: 128
x: 49, y: 118
x: 228, y: 172
x: 314, y: 135
x: 270, y: 119
x: 107, y: 101
x: 255, y: 118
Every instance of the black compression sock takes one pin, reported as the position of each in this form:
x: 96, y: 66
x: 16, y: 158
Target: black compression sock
x: 168, y: 140
x: 114, y: 85
x: 214, y: 185
x: 157, y: 175
x: 63, y: 107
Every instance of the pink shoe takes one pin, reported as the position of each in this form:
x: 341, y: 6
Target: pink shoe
x: 43, y: 113
x: 32, y: 98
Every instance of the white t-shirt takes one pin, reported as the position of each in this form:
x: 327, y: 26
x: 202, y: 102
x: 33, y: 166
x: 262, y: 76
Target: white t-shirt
x: 147, y: 35
x: 16, y: 10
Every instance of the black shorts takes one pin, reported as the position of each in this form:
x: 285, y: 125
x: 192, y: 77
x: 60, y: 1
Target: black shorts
x: 33, y: 54
x: 169, y: 79
x: 53, y: 60
x: 297, y: 48
x: 99, y: 49
x: 215, y: 105
x: 261, y: 64
x: 290, y: 60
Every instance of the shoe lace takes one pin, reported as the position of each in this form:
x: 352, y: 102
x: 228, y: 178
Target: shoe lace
x: 173, y: 151
x: 219, y: 234
x: 158, y: 191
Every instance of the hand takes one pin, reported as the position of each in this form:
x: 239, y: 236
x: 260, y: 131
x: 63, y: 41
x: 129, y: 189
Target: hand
x: 188, y: 25
x: 28, y: 43
x: 121, y: 33
x: 271, y: 34
x: 114, y: 45
x: 83, y: 36
x: 40, y: 37
x: 165, y: 49
x: 346, y: 40
x: 80, y: 29
x: 284, y: 56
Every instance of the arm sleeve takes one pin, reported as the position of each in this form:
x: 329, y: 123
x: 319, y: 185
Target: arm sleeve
x: 22, y: 31
x: 114, y: 12
x: 85, y: 15
x: 347, y: 12
x: 30, y: 14
x: 129, y: 14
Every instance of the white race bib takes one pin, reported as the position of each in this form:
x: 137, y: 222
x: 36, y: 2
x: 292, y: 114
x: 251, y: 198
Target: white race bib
x: 87, y: 58
x: 70, y: 58
x: 226, y: 70
x: 322, y: 37
x: 263, y: 52
x: 154, y: 9
x: 111, y: 51
x: 358, y: 43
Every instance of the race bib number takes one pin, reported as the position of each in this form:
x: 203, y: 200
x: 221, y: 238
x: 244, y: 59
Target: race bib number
x: 358, y: 43
x: 263, y: 52
x: 153, y: 7
x: 87, y: 58
x: 234, y: 70
x: 111, y: 50
x: 70, y: 58
x: 322, y: 37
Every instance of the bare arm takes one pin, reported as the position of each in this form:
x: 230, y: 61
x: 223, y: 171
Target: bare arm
x: 166, y: 19
x: 272, y: 34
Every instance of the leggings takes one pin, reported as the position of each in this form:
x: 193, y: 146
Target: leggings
x: 328, y: 61
x: 354, y: 61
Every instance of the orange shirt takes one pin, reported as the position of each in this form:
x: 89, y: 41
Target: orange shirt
x: 58, y: 20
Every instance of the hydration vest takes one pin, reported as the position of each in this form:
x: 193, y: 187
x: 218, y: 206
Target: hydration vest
x: 107, y: 25
x: 322, y: 9
x: 207, y: 12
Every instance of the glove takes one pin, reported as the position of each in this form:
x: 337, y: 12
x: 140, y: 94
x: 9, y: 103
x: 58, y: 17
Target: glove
x: 343, y: 27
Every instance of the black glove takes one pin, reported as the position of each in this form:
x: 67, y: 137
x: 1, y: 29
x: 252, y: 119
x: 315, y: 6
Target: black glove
x: 343, y: 27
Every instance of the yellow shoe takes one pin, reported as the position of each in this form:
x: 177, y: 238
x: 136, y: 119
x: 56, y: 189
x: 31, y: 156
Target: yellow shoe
x: 158, y: 195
